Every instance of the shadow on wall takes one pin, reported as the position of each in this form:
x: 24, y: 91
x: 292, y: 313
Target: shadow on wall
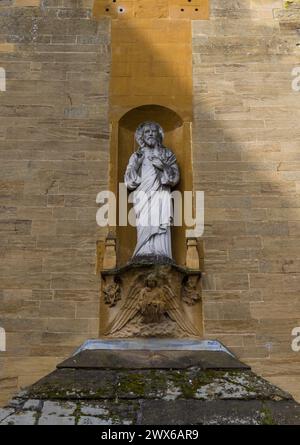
x: 246, y: 160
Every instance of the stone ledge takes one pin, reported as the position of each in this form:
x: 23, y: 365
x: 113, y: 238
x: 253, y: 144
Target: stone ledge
x: 118, y: 359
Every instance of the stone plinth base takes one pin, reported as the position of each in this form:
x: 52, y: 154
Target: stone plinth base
x: 110, y: 386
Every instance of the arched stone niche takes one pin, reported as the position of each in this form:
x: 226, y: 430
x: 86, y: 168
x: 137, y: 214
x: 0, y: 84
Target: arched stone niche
x: 178, y: 138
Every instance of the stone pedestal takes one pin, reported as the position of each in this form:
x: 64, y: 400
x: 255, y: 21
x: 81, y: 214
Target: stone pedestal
x: 151, y: 297
x: 151, y: 382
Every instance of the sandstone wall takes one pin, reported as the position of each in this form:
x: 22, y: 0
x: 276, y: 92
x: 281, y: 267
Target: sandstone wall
x: 54, y: 157
x: 247, y: 160
x: 54, y: 153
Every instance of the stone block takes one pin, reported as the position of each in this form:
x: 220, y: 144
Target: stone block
x: 27, y: 3
x: 5, y: 412
x: 93, y: 410
x: 55, y: 420
x: 57, y: 309
x: 20, y: 418
x: 61, y: 325
x: 33, y: 405
x: 60, y: 409
x: 74, y: 281
x: 232, y: 281
x: 7, y: 47
x: 90, y: 420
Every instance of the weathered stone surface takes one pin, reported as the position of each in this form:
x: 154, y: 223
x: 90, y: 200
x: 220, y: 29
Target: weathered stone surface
x: 160, y: 412
x: 93, y: 410
x: 54, y: 114
x: 89, y: 420
x: 5, y: 413
x: 191, y: 396
x: 61, y: 409
x: 102, y: 359
x: 56, y: 419
x: 20, y: 418
x: 76, y: 383
x: 33, y: 405
x: 208, y: 380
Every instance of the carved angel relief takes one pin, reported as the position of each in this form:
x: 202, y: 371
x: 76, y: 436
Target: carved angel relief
x: 152, y: 300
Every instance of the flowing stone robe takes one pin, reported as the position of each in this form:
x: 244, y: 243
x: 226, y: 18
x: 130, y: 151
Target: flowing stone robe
x: 152, y: 199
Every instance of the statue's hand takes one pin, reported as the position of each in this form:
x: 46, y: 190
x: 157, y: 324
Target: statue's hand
x: 157, y: 163
x: 140, y: 158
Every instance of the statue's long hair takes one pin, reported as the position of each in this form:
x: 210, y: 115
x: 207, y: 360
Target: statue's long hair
x: 140, y: 133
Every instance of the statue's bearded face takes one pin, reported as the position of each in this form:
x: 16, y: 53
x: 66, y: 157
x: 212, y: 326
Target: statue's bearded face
x: 151, y: 135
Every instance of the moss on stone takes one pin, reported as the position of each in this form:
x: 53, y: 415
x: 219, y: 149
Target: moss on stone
x: 77, y: 413
x: 132, y: 383
x: 267, y: 417
x: 159, y: 383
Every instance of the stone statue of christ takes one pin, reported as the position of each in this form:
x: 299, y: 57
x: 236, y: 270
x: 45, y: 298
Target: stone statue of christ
x: 151, y: 173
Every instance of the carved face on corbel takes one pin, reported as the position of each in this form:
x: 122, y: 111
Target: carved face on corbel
x: 112, y: 293
x: 190, y: 292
